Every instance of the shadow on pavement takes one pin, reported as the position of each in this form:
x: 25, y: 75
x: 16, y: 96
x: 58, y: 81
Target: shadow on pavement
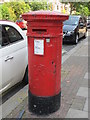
x: 12, y: 91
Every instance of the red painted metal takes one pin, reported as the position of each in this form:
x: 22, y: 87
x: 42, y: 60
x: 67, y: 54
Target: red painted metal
x: 45, y: 70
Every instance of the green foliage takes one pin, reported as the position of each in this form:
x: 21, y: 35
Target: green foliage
x: 39, y: 5
x: 82, y: 8
x: 49, y: 7
x: 13, y: 10
x: 19, y: 8
x: 11, y: 14
x: 77, y: 13
x: 0, y: 12
x: 5, y: 12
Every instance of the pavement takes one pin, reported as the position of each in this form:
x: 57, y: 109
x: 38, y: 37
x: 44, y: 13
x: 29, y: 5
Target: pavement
x: 74, y: 87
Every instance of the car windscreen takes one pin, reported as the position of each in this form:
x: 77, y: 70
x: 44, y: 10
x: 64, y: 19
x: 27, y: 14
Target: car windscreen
x: 72, y: 21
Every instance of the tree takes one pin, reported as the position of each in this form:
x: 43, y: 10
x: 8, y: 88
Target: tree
x: 19, y: 8
x: 11, y: 14
x: 35, y: 5
x: 40, y: 5
x: 82, y: 8
x: 0, y: 12
x: 13, y: 10
x: 5, y: 12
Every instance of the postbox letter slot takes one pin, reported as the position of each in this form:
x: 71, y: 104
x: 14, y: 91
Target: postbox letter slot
x: 39, y: 30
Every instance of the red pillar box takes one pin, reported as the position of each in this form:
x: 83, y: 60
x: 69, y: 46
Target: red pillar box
x: 44, y: 31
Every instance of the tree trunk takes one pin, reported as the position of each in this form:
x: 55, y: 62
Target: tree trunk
x: 71, y: 5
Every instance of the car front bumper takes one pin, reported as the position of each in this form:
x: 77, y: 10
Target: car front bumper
x: 69, y: 37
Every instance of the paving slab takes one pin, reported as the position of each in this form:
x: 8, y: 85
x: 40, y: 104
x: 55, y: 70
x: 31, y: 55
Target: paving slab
x: 84, y: 83
x: 86, y: 43
x: 87, y: 75
x: 22, y: 106
x: 14, y: 101
x: 83, y: 91
x: 86, y: 105
x: 83, y: 51
x: 71, y: 52
x: 0, y: 112
x: 78, y: 103
x: 72, y: 113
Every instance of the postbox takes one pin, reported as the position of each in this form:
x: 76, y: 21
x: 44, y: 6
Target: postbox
x: 45, y: 33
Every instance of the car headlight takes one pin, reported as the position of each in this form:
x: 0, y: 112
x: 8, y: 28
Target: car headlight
x: 63, y: 35
x: 70, y: 32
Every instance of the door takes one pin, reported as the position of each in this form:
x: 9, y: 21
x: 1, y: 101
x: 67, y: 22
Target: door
x: 84, y: 24
x: 13, y: 57
x: 81, y: 27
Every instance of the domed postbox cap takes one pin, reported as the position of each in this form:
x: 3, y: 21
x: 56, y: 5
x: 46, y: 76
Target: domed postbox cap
x: 44, y: 15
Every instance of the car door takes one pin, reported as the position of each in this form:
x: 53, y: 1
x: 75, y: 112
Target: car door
x: 85, y: 26
x: 13, y: 56
x: 81, y: 27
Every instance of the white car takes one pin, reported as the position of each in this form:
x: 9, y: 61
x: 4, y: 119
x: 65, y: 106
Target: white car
x: 13, y: 55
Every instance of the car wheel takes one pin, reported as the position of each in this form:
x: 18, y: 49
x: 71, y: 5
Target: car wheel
x: 25, y: 79
x: 76, y: 39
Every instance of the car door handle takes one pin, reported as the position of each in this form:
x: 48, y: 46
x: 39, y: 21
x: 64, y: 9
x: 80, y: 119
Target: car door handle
x: 8, y: 58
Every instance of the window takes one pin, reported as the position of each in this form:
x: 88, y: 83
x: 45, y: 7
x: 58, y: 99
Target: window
x: 9, y: 34
x: 13, y: 34
x: 72, y: 21
x: 5, y: 39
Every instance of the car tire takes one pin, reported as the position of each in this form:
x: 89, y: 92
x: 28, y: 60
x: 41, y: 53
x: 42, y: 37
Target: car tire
x: 76, y: 39
x: 25, y: 79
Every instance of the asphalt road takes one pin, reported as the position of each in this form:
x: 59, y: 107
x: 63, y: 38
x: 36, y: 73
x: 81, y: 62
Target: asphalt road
x: 21, y: 86
x: 69, y: 46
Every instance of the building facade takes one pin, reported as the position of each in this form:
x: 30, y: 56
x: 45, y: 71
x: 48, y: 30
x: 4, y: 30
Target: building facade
x: 58, y: 6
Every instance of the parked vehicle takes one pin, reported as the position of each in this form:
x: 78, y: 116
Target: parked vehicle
x: 22, y: 24
x: 74, y: 28
x: 13, y: 55
x: 88, y: 22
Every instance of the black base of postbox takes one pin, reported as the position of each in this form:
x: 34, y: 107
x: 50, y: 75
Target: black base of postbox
x: 43, y: 105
